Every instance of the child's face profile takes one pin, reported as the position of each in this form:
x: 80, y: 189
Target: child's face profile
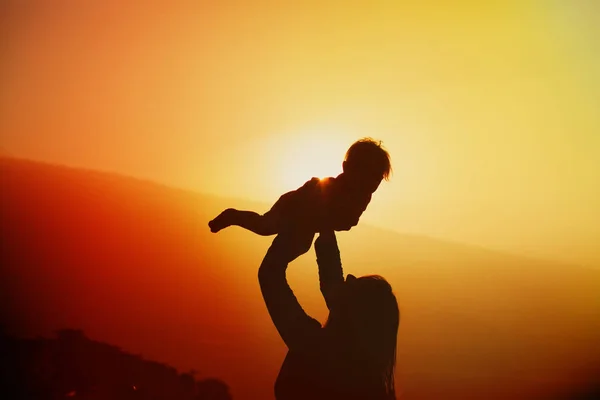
x: 363, y: 180
x: 371, y: 184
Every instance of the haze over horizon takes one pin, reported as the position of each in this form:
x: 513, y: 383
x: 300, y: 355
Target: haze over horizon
x: 489, y: 111
x: 261, y: 205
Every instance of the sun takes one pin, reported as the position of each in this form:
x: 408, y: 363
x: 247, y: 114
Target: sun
x: 309, y: 155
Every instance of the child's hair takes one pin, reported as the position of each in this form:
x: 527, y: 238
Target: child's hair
x: 369, y: 153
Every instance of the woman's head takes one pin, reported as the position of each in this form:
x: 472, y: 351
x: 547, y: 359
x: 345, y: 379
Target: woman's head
x: 366, y: 318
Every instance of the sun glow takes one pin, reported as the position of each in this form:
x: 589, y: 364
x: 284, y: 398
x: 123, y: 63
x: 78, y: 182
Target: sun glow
x: 314, y: 154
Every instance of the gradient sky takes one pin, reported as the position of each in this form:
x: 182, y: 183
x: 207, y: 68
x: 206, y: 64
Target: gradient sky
x: 490, y: 112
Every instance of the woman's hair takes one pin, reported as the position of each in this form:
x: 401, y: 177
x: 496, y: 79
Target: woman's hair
x: 367, y: 316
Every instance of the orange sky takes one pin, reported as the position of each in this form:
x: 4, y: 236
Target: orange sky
x: 490, y: 112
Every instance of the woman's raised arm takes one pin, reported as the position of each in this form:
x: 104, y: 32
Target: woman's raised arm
x: 295, y: 327
x: 331, y: 275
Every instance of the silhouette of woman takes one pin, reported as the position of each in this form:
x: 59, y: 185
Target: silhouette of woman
x: 354, y: 354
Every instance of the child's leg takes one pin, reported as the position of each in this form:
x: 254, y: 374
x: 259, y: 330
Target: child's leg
x: 264, y: 225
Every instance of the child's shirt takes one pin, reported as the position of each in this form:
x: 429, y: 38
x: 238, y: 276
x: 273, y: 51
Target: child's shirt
x: 322, y: 204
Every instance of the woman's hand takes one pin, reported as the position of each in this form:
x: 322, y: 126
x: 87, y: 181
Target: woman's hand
x: 289, y: 245
x: 326, y: 243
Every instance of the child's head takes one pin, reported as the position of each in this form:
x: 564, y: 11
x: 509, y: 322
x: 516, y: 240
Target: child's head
x: 367, y: 163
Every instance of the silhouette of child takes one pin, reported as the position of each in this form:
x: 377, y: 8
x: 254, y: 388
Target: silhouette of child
x: 320, y: 204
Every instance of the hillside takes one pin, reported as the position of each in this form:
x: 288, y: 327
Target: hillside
x: 133, y: 263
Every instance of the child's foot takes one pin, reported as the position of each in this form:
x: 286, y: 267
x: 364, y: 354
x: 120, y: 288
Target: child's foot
x: 222, y: 221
